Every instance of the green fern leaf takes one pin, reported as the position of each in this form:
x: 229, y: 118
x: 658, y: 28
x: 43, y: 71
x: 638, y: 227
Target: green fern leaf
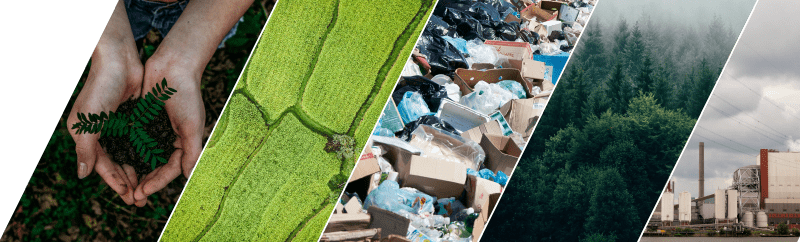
x: 153, y: 165
x: 173, y: 90
x: 164, y: 83
x: 158, y: 151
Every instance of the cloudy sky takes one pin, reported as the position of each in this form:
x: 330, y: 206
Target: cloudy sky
x: 755, y: 105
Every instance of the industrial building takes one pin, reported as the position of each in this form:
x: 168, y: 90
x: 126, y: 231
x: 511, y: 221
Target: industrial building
x: 761, y: 196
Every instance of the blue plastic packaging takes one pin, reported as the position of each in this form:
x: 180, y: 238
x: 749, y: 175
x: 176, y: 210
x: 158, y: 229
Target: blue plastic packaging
x: 513, y: 87
x: 412, y: 107
x: 487, y: 174
x: 389, y: 196
x: 501, y: 178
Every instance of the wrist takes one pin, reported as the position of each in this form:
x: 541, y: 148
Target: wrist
x: 175, y: 65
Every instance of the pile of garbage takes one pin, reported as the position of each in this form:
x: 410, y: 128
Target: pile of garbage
x: 458, y: 119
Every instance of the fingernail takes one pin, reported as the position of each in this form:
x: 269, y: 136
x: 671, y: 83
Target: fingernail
x: 83, y: 170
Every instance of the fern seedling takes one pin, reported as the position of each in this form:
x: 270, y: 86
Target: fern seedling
x: 131, y: 125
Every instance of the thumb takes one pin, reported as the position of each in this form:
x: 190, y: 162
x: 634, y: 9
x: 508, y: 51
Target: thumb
x: 86, y: 147
x: 192, y: 147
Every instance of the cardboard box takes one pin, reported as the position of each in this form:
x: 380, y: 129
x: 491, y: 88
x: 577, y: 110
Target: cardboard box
x: 348, y: 222
x: 551, y: 4
x: 538, y: 14
x: 478, y: 192
x: 477, y: 228
x: 481, y: 66
x: 511, y: 18
x: 358, y: 235
x: 466, y: 79
x: 522, y: 115
x: 501, y: 153
x: 514, y: 51
x: 395, y: 238
x: 435, y: 177
x: 366, y: 166
x: 348, y: 218
x: 475, y: 134
x: 532, y: 69
x: 520, y: 4
x: 398, y: 152
x: 461, y: 117
x: 390, y: 223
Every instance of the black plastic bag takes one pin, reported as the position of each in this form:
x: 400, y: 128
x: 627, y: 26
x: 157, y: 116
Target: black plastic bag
x: 431, y: 91
x: 443, y: 57
x: 431, y: 120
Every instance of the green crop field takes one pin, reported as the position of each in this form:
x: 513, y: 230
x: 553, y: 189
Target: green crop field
x: 272, y: 169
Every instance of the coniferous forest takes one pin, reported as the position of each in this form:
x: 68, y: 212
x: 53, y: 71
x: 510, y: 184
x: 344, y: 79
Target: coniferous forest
x: 612, y: 131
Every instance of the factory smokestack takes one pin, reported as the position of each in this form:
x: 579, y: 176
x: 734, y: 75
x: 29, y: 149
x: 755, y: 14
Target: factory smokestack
x: 702, y: 179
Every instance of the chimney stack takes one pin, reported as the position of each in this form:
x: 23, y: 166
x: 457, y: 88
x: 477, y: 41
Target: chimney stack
x: 702, y: 179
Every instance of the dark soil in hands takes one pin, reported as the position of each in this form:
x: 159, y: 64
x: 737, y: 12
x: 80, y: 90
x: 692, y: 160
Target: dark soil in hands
x: 121, y: 149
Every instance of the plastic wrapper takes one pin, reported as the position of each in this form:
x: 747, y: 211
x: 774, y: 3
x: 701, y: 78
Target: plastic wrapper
x: 501, y: 178
x: 487, y: 98
x: 549, y: 48
x: 431, y: 92
x: 448, y: 206
x: 513, y: 87
x: 441, y: 79
x: 447, y: 146
x: 380, y: 131
x: 411, y: 69
x: 459, y: 43
x: 471, y: 172
x: 536, y: 90
x: 481, y: 53
x: 429, y: 120
x: 412, y: 107
x: 453, y: 91
x: 486, y: 174
x: 389, y: 196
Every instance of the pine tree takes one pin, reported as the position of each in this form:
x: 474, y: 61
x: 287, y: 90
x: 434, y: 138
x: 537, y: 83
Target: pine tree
x: 644, y: 81
x: 635, y: 50
x: 619, y: 89
x: 611, y: 209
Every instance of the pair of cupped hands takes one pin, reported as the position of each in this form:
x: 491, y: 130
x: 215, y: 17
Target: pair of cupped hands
x: 117, y: 75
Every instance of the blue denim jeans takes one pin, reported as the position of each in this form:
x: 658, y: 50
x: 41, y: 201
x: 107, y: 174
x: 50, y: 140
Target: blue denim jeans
x: 145, y: 15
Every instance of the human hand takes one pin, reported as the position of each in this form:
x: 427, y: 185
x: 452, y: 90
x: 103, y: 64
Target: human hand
x: 115, y: 76
x: 186, y: 114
